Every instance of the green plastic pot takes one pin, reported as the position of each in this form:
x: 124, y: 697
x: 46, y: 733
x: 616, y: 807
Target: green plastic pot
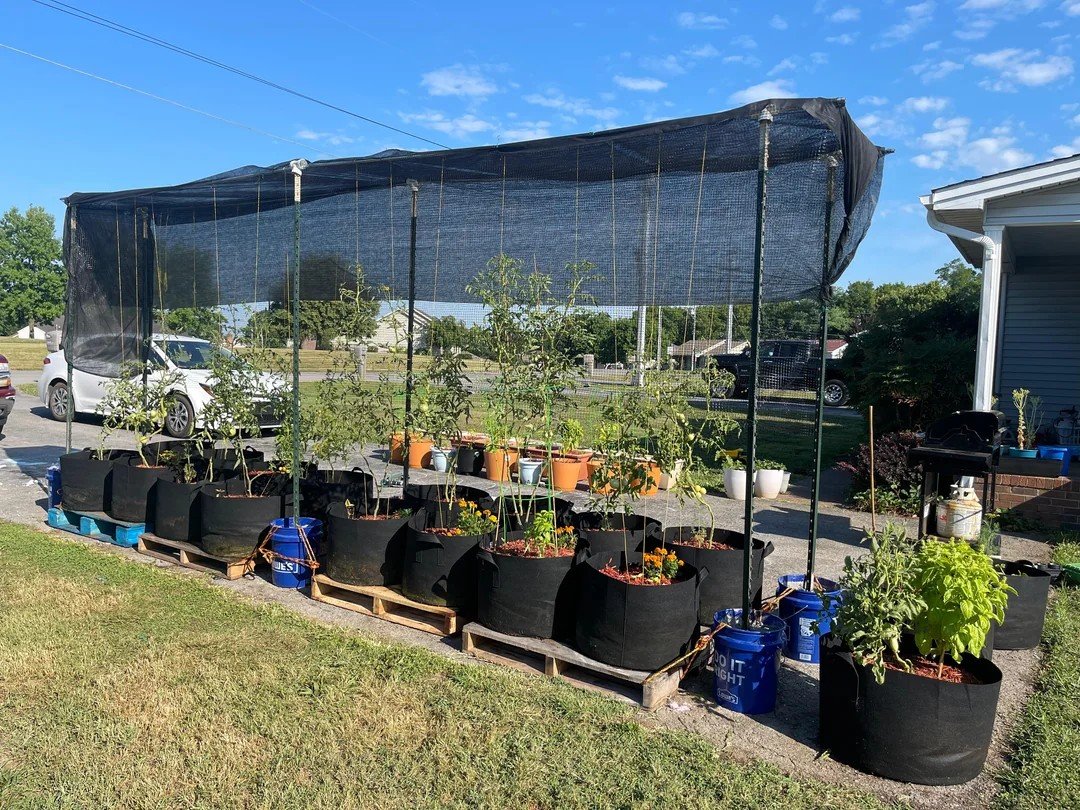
x: 1071, y: 573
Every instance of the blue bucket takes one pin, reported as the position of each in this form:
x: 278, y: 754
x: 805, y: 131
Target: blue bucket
x: 56, y: 491
x: 1058, y: 452
x: 286, y: 542
x: 806, y: 617
x: 746, y: 662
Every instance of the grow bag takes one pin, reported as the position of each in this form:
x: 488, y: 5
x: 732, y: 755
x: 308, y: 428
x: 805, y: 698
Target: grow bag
x: 365, y: 552
x: 439, y: 570
x: 526, y: 596
x: 515, y: 514
x: 723, y: 588
x: 325, y: 487
x: 175, y: 508
x: 1024, y: 614
x: 470, y: 461
x: 432, y: 499
x: 232, y: 523
x: 133, y: 488
x: 909, y: 728
x: 226, y: 458
x: 638, y: 627
x: 87, y: 480
x: 611, y: 542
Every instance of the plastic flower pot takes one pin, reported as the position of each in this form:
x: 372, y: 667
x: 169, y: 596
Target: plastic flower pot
x: 1056, y: 452
x: 650, y: 471
x: 529, y: 471
x: 808, y: 615
x: 366, y: 549
x: 469, y: 460
x: 669, y: 479
x: 1021, y: 452
x: 746, y: 661
x: 611, y: 535
x: 419, y: 452
x: 397, y: 448
x: 439, y: 570
x: 735, y: 483
x: 88, y: 480
x: 723, y: 588
x: 635, y: 626
x: 767, y: 483
x: 322, y: 488
x: 442, y: 458
x: 499, y: 463
x: 525, y: 596
x: 232, y: 523
x: 565, y: 473
x: 910, y: 728
x: 176, y: 510
x: 786, y: 483
x: 1024, y: 615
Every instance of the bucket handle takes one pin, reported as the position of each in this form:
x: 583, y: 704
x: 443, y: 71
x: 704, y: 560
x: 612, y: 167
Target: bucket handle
x: 486, y: 557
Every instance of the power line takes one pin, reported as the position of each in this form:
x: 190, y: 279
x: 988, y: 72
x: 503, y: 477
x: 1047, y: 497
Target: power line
x: 104, y: 22
x: 346, y: 23
x: 182, y: 106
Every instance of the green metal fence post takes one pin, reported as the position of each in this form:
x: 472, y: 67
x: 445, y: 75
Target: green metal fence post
x: 414, y: 190
x: 296, y: 167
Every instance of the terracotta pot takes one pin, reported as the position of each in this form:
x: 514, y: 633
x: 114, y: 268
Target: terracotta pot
x: 419, y: 452
x: 652, y: 476
x: 583, y: 457
x: 564, y: 473
x: 591, y: 466
x: 397, y: 449
x: 499, y: 463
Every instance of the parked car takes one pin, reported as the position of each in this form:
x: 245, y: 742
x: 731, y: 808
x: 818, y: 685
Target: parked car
x: 188, y: 356
x: 786, y: 365
x: 7, y: 392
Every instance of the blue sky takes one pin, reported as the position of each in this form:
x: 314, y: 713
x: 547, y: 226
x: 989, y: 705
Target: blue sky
x: 959, y: 88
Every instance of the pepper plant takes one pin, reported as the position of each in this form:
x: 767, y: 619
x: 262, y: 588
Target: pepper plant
x: 129, y: 405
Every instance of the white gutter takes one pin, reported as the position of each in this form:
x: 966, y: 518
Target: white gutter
x: 960, y: 233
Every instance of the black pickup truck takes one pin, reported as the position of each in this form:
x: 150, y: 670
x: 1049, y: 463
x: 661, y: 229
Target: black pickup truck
x: 786, y: 365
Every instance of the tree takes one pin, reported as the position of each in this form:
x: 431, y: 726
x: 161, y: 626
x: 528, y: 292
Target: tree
x: 200, y: 322
x: 322, y: 321
x: 33, y: 282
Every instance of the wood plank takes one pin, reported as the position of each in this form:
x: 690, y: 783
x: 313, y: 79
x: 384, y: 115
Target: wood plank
x: 190, y: 556
x: 385, y: 603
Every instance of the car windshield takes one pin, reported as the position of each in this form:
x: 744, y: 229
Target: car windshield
x: 189, y: 354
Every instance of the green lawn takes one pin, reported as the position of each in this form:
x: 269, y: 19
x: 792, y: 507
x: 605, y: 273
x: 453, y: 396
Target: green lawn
x: 123, y: 685
x: 23, y: 355
x: 1045, y: 767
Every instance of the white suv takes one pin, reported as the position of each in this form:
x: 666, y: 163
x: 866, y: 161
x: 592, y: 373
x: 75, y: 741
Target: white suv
x: 187, y: 355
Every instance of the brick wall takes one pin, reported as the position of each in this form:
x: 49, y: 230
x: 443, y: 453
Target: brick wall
x: 1054, y: 501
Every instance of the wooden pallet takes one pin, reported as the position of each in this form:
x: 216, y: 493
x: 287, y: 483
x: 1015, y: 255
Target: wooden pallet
x: 190, y: 556
x: 96, y: 525
x: 549, y: 657
x: 386, y: 603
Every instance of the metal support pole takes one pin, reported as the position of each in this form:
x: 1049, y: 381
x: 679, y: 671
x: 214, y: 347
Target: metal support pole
x: 65, y: 344
x: 414, y: 190
x: 659, y: 334
x: 826, y: 266
x: 146, y: 305
x: 730, y: 327
x: 297, y: 168
x: 755, y: 350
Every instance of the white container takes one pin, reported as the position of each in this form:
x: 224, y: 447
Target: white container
x: 787, y: 482
x: 960, y: 516
x: 529, y: 470
x: 767, y: 483
x: 668, y: 480
x: 735, y: 484
x: 441, y: 459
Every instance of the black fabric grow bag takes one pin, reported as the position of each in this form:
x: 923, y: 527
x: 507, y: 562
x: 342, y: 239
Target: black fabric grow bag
x: 610, y: 543
x: 909, y: 728
x: 87, y: 481
x: 176, y: 510
x: 432, y: 499
x: 226, y: 458
x: 365, y: 552
x: 723, y: 588
x: 133, y: 489
x: 1024, y: 615
x: 526, y: 596
x: 516, y: 513
x: 231, y: 523
x: 439, y: 570
x: 325, y: 487
x: 635, y: 626
x: 470, y: 461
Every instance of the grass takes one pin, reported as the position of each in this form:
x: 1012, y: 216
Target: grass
x: 127, y: 686
x: 1045, y: 767
x: 23, y: 355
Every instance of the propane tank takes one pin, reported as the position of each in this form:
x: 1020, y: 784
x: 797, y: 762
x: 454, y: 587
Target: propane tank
x: 960, y: 516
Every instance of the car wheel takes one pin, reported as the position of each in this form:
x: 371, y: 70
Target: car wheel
x: 58, y: 401
x: 180, y: 418
x: 836, y: 393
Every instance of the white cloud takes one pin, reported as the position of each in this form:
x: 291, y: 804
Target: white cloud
x: 915, y: 17
x: 701, y: 51
x: 780, y: 88
x: 461, y: 127
x: 573, y: 107
x: 976, y: 29
x: 527, y: 131
x: 947, y: 132
x: 949, y: 143
x: 741, y: 59
x: 845, y: 14
x: 932, y: 46
x: 1007, y: 6
x: 782, y: 65
x: 874, y: 124
x: 874, y: 101
x: 1066, y: 149
x: 744, y: 41
x: 1071, y: 7
x: 693, y: 19
x: 669, y: 64
x: 458, y: 80
x: 1027, y: 68
x: 329, y: 138
x: 842, y: 39
x: 819, y: 58
x: 924, y: 104
x: 935, y: 71
x: 778, y: 22
x: 646, y: 84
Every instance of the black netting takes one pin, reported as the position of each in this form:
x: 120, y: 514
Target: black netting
x: 666, y: 212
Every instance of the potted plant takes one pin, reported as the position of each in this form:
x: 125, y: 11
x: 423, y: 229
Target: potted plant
x: 903, y: 693
x: 1028, y: 410
x: 735, y: 477
x: 440, y: 560
x: 1021, y: 629
x: 769, y: 478
x: 569, y: 464
x: 176, y: 498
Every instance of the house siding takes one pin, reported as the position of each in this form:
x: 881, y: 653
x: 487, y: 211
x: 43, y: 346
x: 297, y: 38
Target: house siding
x: 1040, y: 340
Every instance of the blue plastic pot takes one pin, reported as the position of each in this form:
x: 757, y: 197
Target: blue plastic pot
x: 1058, y: 452
x: 806, y: 616
x: 286, y: 541
x: 746, y: 663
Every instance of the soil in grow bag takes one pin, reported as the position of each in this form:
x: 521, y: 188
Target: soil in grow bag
x: 88, y: 480
x: 632, y: 625
x: 515, y: 513
x: 232, y: 523
x: 910, y: 728
x: 325, y: 487
x: 1026, y: 610
x: 367, y: 549
x: 226, y: 458
x: 439, y: 569
x: 133, y: 487
x: 522, y: 594
x: 611, y: 536
x: 176, y: 510
x: 720, y: 553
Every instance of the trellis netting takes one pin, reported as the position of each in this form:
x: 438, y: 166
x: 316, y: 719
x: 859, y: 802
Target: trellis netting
x: 666, y: 212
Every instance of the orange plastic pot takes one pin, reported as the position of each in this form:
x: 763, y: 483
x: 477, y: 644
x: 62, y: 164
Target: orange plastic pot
x: 565, y: 472
x: 652, y: 476
x: 499, y: 463
x: 419, y: 452
x: 397, y: 448
x: 592, y: 465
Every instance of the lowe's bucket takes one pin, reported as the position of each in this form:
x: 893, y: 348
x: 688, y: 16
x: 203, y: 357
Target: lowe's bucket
x: 746, y: 662
x: 806, y: 616
x: 287, y: 543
